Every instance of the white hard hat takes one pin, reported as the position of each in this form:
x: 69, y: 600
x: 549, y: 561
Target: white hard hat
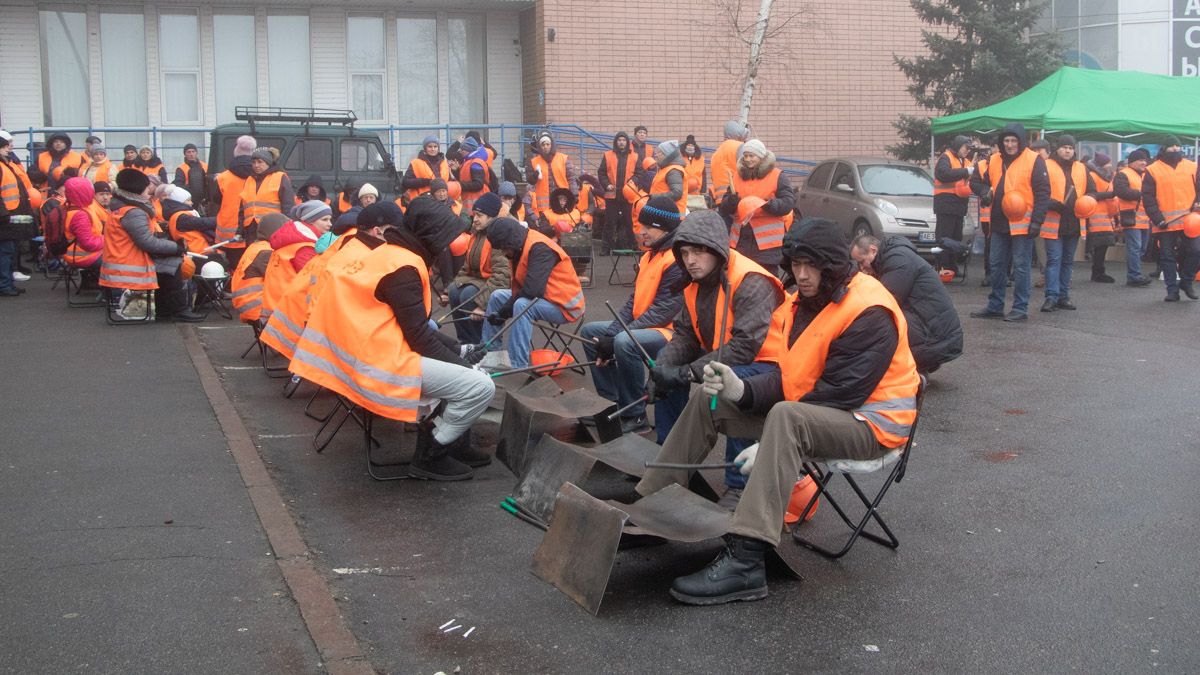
x: 212, y: 270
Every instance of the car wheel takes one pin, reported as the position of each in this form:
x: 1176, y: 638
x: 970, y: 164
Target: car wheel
x: 861, y: 227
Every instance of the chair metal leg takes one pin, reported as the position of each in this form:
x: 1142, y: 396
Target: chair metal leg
x: 324, y: 437
x: 115, y: 319
x: 308, y: 407
x: 271, y: 371
x: 369, y: 443
x: 858, y: 528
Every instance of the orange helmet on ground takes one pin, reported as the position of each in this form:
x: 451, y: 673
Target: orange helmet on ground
x: 802, y: 493
x: 1085, y: 206
x: 1013, y: 206
x: 747, y: 207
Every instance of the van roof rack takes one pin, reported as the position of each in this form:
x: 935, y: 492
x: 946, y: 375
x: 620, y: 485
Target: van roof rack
x: 305, y: 116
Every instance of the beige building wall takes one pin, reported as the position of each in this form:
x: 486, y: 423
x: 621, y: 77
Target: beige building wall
x: 828, y: 86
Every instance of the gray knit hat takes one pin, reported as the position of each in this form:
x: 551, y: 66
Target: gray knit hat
x: 264, y: 153
x: 507, y: 189
x: 670, y: 150
x: 311, y: 211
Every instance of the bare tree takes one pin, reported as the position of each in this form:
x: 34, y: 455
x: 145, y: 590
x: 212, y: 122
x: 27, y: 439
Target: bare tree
x: 757, y: 35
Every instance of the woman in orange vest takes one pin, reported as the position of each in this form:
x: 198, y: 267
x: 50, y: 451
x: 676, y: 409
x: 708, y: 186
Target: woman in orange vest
x: 484, y: 270
x: 670, y: 180
x: 99, y: 168
x: 562, y: 217
x: 267, y: 190
x: 1169, y: 194
x: 368, y: 338
x: 725, y: 159
x: 1131, y: 213
x: 547, y: 170
x: 294, y: 245
x: 226, y: 197
x: 1100, y: 225
x: 543, y: 276
x: 85, y: 227
x: 620, y: 375
x: 757, y: 175
x: 846, y: 388
x: 185, y: 224
x: 57, y: 158
x: 135, y: 256
x: 475, y: 174
x: 714, y: 273
x: 149, y: 163
x: 424, y: 168
x: 246, y: 282
x: 693, y: 156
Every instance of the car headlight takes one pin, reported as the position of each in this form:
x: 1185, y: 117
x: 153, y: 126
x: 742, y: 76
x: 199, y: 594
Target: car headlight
x: 887, y: 207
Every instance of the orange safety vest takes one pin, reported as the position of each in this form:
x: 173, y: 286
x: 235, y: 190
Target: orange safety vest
x: 247, y: 290
x: 279, y: 274
x: 124, y: 265
x: 156, y: 170
x: 353, y: 344
x: 231, y: 186
x: 186, y: 173
x: 659, y: 185
x: 645, y: 287
x: 464, y: 175
x: 12, y: 174
x: 421, y: 169
x: 768, y: 229
x: 1018, y: 178
x: 695, y: 172
x: 196, y: 242
x: 343, y: 205
x: 259, y: 199
x: 891, y: 409
x: 1058, y: 191
x: 985, y: 212
x: 562, y: 288
x: 290, y: 313
x: 1175, y: 189
x: 556, y: 170
x: 79, y: 257
x: 739, y: 267
x: 940, y: 188
x: 610, y: 166
x: 723, y: 165
x: 1106, y: 209
x: 587, y: 203
x: 1141, y: 220
x: 69, y: 159
x: 97, y: 173
x: 485, y: 255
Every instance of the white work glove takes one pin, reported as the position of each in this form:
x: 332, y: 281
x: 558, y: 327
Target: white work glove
x: 745, y: 459
x: 719, y: 380
x: 970, y: 169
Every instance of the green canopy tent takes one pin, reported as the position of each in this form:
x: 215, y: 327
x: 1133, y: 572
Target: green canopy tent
x: 1096, y: 105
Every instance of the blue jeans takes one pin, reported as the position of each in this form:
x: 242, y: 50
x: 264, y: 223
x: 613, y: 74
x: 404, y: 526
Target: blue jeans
x: 1135, y: 248
x: 469, y: 332
x: 1020, y: 247
x: 519, y: 335
x: 8, y: 263
x: 1060, y: 258
x: 624, y: 378
x: 667, y: 410
x: 1177, y: 257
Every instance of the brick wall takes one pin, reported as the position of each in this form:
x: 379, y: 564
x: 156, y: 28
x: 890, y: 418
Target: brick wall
x: 828, y: 85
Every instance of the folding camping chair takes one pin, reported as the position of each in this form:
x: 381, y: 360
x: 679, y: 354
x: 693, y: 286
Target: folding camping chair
x: 614, y: 273
x: 263, y: 352
x: 72, y: 279
x: 557, y: 340
x: 115, y: 314
x: 578, y: 244
x: 824, y: 471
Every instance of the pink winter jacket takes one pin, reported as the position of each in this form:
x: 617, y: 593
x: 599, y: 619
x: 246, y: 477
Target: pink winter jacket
x: 80, y: 194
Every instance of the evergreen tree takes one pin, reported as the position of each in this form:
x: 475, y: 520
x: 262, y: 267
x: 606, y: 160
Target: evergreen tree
x: 979, y: 55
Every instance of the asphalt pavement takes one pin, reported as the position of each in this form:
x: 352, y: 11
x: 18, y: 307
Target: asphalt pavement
x: 1045, y: 521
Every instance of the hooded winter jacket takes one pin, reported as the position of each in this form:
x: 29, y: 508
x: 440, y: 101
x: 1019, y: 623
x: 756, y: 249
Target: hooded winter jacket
x: 616, y: 167
x: 752, y: 305
x: 302, y: 195
x: 1039, y: 182
x: 296, y: 232
x: 52, y: 163
x: 89, y: 243
x: 934, y: 332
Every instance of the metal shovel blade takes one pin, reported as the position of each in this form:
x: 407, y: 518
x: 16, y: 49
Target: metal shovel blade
x: 552, y: 464
x: 577, y: 554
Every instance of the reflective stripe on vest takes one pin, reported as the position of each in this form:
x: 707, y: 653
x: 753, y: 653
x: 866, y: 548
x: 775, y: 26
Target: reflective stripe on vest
x: 739, y: 267
x: 76, y: 256
x: 940, y: 188
x: 555, y: 172
x: 247, y: 291
x: 421, y: 169
x: 464, y: 175
x: 1018, y: 178
x: 230, y: 185
x: 1058, y: 191
x: 562, y: 288
x: 768, y: 229
x: 1106, y: 209
x: 890, y: 410
x: 659, y: 185
x: 1141, y: 220
x: 646, y: 286
x: 279, y: 274
x: 124, y: 265
x: 353, y: 344
x: 1175, y: 189
x: 259, y: 199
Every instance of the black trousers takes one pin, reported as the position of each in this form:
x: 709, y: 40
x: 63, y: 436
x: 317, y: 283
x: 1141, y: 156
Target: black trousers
x: 618, y: 224
x: 948, y: 226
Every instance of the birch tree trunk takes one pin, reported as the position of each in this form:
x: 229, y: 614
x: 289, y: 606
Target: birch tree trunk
x: 760, y: 32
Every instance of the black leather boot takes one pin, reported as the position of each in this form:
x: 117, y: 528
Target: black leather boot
x: 463, y: 451
x: 432, y: 460
x: 738, y: 573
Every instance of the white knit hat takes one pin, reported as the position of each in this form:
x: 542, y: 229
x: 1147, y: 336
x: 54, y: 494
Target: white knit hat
x: 368, y: 189
x: 755, y: 146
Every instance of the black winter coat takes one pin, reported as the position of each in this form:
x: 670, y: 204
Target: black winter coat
x: 934, y: 332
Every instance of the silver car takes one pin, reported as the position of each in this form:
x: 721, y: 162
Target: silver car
x: 876, y: 195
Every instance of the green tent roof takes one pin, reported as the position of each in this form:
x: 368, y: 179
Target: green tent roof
x: 1102, y: 105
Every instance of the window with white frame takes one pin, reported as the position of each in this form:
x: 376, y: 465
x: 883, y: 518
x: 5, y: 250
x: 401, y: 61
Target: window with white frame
x: 466, y: 68
x: 367, y: 70
x: 123, y: 64
x: 179, y: 59
x: 65, y: 75
x: 417, y: 81
x: 290, y: 70
x: 235, y: 71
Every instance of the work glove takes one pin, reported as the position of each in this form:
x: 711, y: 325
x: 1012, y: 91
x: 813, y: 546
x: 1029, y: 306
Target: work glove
x: 604, y: 347
x: 729, y: 204
x: 667, y: 378
x: 745, y: 459
x: 1035, y: 229
x: 496, y: 319
x: 986, y: 198
x: 970, y: 169
x: 473, y: 354
x: 506, y: 311
x: 1160, y: 226
x: 720, y: 380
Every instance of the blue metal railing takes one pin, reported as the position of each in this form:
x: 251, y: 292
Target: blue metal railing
x: 402, y: 141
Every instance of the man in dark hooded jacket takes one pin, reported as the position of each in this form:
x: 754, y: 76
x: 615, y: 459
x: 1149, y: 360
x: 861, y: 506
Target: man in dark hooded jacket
x: 857, y: 402
x: 1030, y: 184
x: 934, y: 333
x: 1169, y: 192
x: 617, y: 166
x: 702, y: 250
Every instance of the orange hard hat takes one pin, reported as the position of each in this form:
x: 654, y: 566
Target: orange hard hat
x: 454, y: 189
x: 649, y: 163
x: 460, y: 244
x: 1013, y: 206
x: 1085, y: 206
x: 802, y: 494
x: 1191, y: 225
x: 545, y: 357
x: 693, y: 185
x: 747, y: 207
x: 962, y: 189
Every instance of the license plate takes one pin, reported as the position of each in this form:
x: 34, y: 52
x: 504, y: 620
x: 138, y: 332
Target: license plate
x: 925, y: 237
